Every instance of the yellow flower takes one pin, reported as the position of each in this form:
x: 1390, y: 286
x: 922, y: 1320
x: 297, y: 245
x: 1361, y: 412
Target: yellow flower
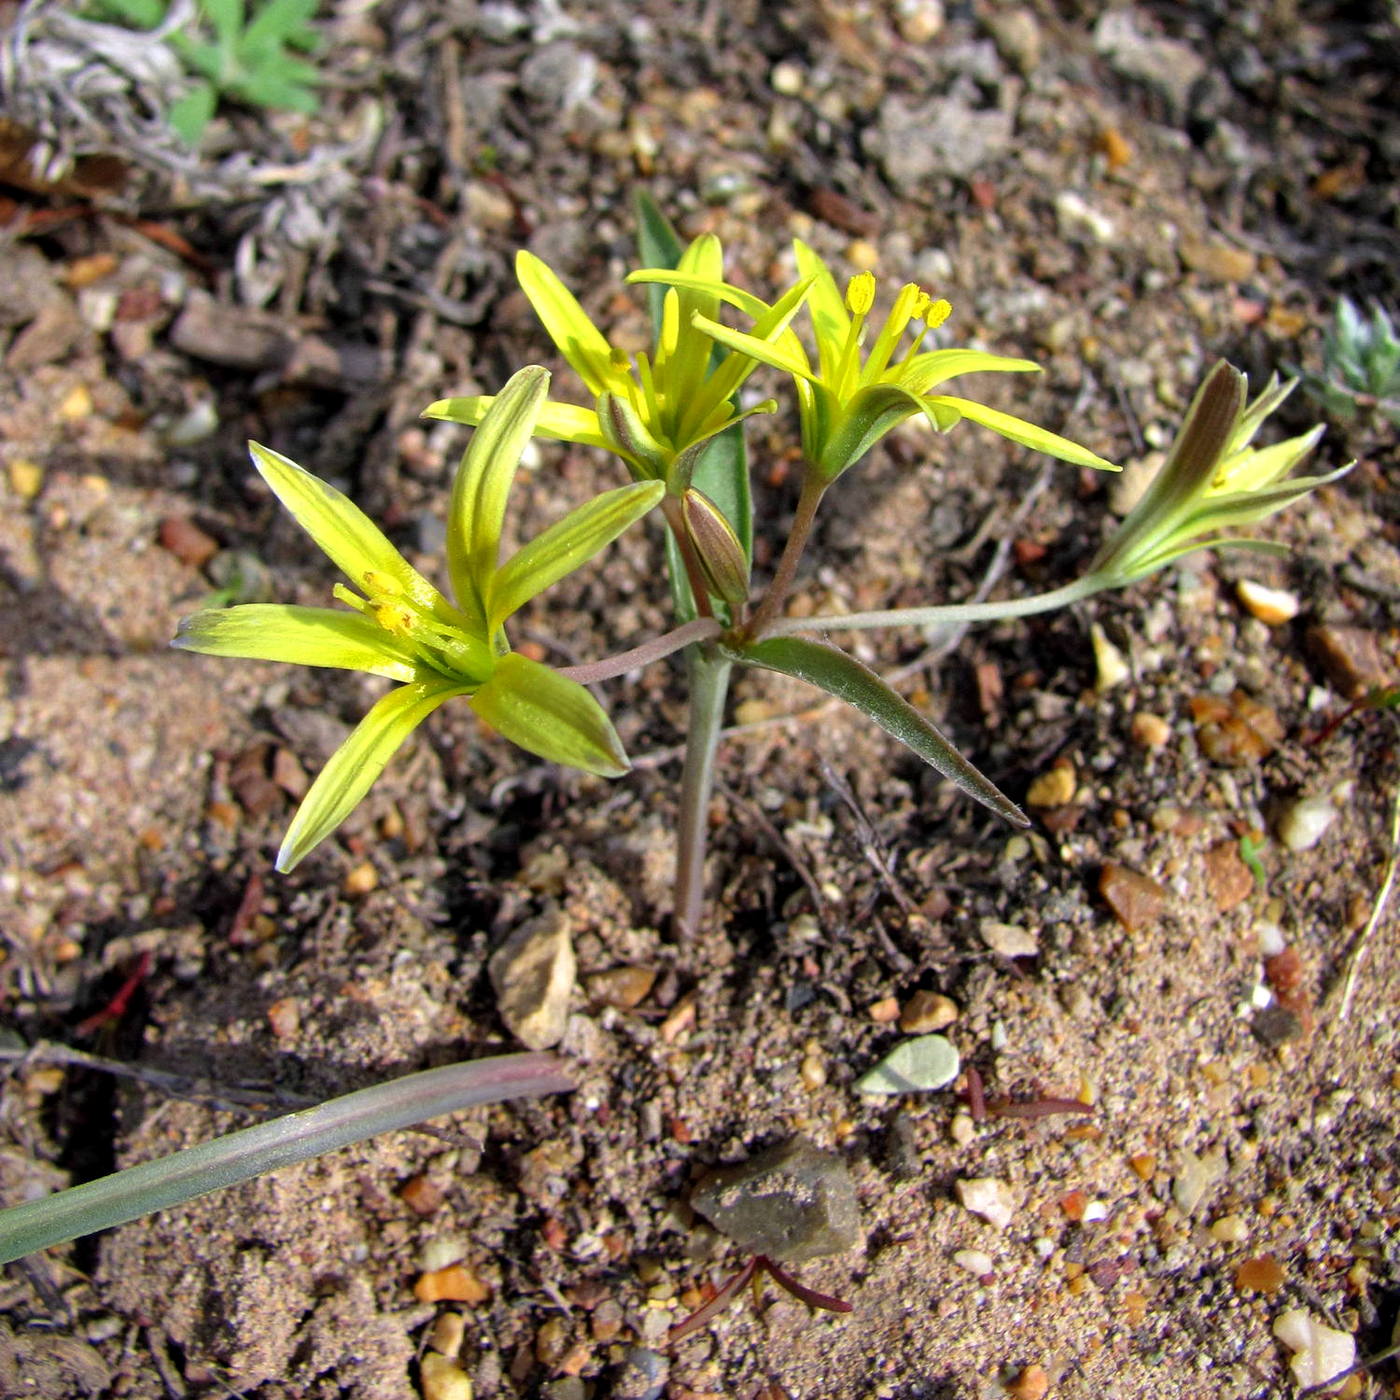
x: 402, y: 627
x: 852, y: 398
x: 657, y: 410
x: 1212, y: 480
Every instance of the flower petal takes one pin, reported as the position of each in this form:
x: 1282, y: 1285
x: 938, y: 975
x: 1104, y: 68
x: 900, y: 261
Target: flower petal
x: 306, y: 636
x: 477, y: 512
x: 1027, y: 434
x: 927, y: 371
x: 358, y: 762
x: 785, y: 355
x: 580, y: 342
x: 550, y: 715
x: 560, y: 422
x: 354, y: 543
x: 566, y: 544
x: 830, y: 321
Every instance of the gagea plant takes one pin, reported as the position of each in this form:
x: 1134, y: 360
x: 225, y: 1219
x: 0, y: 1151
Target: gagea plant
x: 672, y: 418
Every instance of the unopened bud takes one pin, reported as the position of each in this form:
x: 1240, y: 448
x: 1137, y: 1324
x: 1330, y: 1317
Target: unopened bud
x: 627, y: 435
x: 721, y: 556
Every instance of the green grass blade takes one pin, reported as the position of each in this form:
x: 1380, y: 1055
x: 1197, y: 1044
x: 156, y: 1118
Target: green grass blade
x: 294, y: 1137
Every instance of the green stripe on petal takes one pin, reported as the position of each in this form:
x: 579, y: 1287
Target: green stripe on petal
x: 929, y: 370
x: 477, y: 512
x: 358, y: 762
x: 550, y: 715
x: 567, y: 544
x: 580, y: 342
x: 305, y: 636
x: 560, y: 422
x: 354, y: 543
x: 1027, y: 434
x: 830, y: 321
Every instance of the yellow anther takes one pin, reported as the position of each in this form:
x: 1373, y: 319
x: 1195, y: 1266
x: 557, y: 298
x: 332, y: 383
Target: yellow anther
x: 937, y: 314
x: 398, y: 620
x: 860, y: 293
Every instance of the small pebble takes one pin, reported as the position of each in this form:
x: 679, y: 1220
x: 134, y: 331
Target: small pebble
x: 989, y: 1198
x: 1319, y: 1352
x: 1033, y: 1383
x: 622, y: 987
x: 643, y: 1375
x: 362, y: 879
x: 962, y: 1129
x: 1009, y: 940
x: 919, y: 21
x: 1263, y: 1274
x: 1303, y: 823
x: 1273, y: 606
x: 1229, y: 1229
x: 26, y: 478
x: 914, y: 1066
x: 1054, y: 788
x: 884, y: 1011
x: 1150, y: 731
x: 786, y: 79
x: 1137, y: 900
x: 1194, y: 1179
x: 533, y: 974
x: 1110, y: 664
x: 186, y: 541
x: 447, y: 1332
x: 976, y: 1261
x: 422, y: 1196
x: 928, y: 1011
x: 1352, y: 658
x: 1229, y: 881
x: 451, y: 1285
x: 1217, y: 261
x: 443, y: 1379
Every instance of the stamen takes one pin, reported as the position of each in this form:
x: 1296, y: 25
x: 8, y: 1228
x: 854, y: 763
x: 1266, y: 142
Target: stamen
x: 860, y: 293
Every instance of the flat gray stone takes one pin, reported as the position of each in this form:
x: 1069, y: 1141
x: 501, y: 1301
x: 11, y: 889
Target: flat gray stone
x: 533, y: 974
x: 791, y: 1202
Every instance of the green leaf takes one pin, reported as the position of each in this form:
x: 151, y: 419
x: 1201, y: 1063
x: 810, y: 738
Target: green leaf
x: 842, y: 676
x: 550, y: 715
x: 358, y: 762
x: 189, y: 115
x: 477, y: 512
x: 567, y: 544
x: 227, y: 19
x: 354, y: 543
x: 306, y: 636
x: 657, y: 246
x: 1027, y: 434
x: 281, y: 21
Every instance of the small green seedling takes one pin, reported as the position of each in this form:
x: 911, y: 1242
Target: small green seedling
x: 1360, y: 375
x: 232, y: 55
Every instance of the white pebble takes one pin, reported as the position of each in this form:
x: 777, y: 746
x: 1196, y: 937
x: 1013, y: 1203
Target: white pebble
x: 989, y: 1198
x: 976, y: 1261
x: 1302, y: 824
x: 1319, y: 1352
x: 1271, y: 605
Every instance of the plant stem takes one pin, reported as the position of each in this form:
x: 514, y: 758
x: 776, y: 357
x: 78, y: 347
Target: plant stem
x: 760, y: 624
x: 949, y: 613
x: 709, y: 688
x: 294, y: 1137
x: 700, y: 629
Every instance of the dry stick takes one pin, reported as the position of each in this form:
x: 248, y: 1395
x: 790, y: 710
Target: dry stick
x: 1358, y: 952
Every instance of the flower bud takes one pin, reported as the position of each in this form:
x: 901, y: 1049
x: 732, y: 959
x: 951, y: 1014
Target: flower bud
x: 627, y: 435
x: 721, y: 556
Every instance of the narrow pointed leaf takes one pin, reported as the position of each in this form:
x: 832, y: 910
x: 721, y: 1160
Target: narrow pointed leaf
x: 358, y: 762
x: 657, y: 246
x: 580, y: 342
x: 551, y: 716
x: 567, y: 544
x: 1027, y: 434
x: 306, y: 636
x: 727, y: 292
x: 476, y: 515
x: 353, y: 542
x: 844, y: 677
